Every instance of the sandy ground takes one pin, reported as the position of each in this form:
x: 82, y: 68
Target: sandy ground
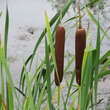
x: 26, y: 24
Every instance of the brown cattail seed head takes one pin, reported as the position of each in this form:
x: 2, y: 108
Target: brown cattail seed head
x: 59, y: 53
x: 80, y: 45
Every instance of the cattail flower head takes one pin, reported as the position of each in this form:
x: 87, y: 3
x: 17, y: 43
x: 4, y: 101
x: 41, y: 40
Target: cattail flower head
x: 80, y: 45
x: 59, y: 53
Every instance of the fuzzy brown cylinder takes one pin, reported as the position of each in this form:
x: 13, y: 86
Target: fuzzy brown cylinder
x: 59, y: 53
x: 80, y: 45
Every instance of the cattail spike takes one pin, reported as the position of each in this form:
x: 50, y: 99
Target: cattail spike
x: 59, y: 53
x: 80, y: 44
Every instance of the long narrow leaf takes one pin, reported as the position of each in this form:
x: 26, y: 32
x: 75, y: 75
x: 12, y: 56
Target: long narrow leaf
x: 6, y: 30
x: 48, y: 77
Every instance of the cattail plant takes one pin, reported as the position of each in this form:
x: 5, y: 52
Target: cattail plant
x: 80, y: 44
x: 59, y: 53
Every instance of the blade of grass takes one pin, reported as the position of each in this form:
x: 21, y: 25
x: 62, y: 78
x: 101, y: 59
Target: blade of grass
x: 3, y: 60
x: 36, y: 87
x: 69, y: 89
x: 95, y: 20
x: 97, y: 61
x: 51, y: 43
x: 6, y: 30
x: 86, y: 80
x: 10, y: 98
x: 70, y: 19
x: 0, y: 13
x: 101, y: 75
x: 48, y: 77
x: 28, y: 85
x: 104, y: 34
x: 26, y: 104
x: 92, y: 2
x: 41, y: 97
x: 73, y: 18
x: 2, y: 104
x: 22, y: 75
x: 107, y: 54
x: 2, y: 82
x: 20, y: 92
x: 2, y: 76
x: 0, y: 101
x: 69, y: 64
x: 106, y: 64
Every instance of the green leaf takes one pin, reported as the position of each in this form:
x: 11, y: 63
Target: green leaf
x: 2, y: 82
x: 104, y: 57
x: 105, y: 34
x: 91, y: 3
x: 28, y: 85
x: 97, y: 61
x: 0, y: 13
x: 10, y: 98
x: 69, y: 64
x: 102, y: 74
x: 48, y: 75
x: 95, y: 21
x: 86, y: 79
x: 69, y: 89
x: 0, y: 101
x: 6, y: 30
x: 26, y: 104
x: 51, y: 44
x: 106, y: 64
x: 41, y: 97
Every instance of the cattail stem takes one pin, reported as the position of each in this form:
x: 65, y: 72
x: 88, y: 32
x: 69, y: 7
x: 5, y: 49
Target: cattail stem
x: 59, y: 53
x: 79, y: 15
x: 58, y: 99
x: 61, y: 16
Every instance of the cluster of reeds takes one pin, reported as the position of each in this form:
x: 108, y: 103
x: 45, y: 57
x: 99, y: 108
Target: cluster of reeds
x: 38, y: 90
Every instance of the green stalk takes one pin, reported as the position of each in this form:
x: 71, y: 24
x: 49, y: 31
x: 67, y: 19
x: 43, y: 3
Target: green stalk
x: 6, y: 30
x: 58, y: 100
x: 2, y: 82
